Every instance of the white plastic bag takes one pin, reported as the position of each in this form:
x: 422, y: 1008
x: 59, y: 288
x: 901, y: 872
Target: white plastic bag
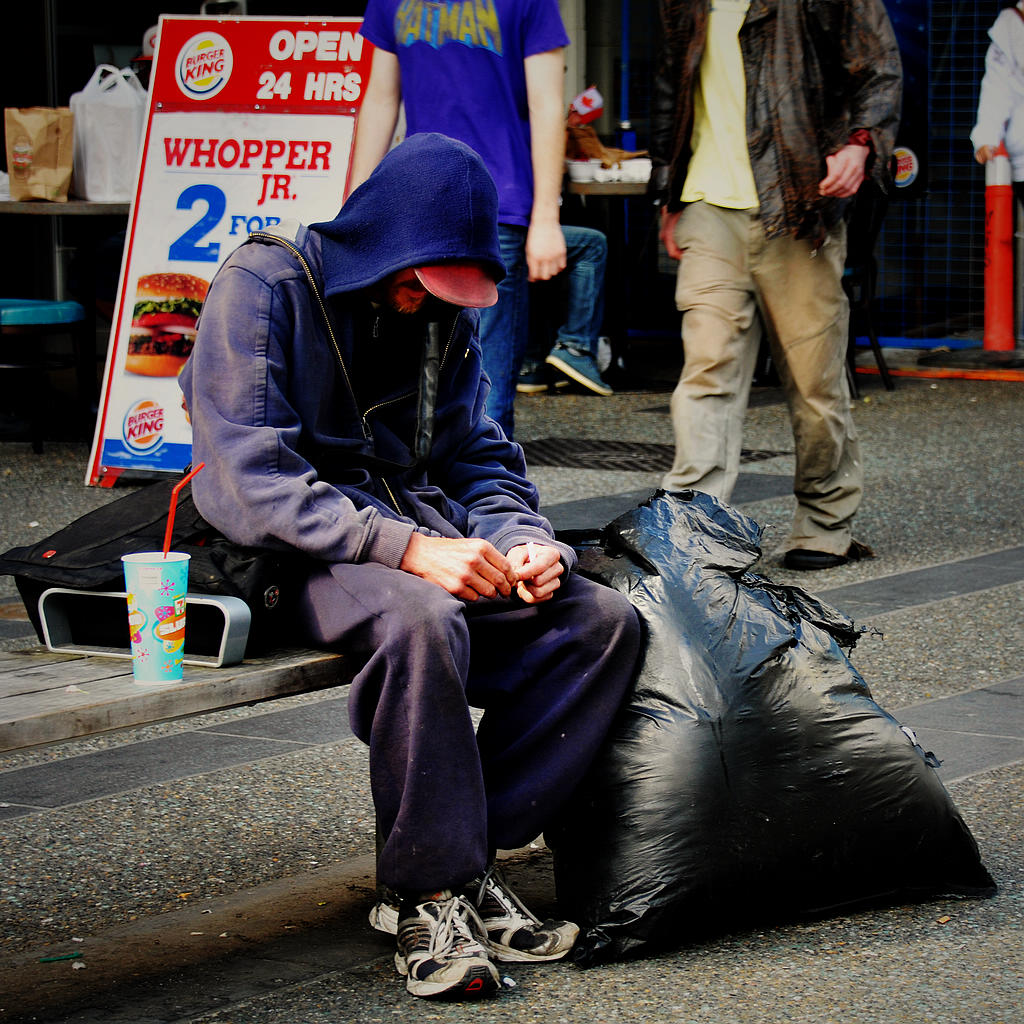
x: 109, y: 116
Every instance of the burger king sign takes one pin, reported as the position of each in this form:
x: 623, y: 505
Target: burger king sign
x: 204, y: 65
x: 231, y: 146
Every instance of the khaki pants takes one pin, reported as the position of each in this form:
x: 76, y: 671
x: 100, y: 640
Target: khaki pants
x: 733, y: 283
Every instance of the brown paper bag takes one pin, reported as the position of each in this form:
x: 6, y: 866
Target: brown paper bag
x: 40, y: 152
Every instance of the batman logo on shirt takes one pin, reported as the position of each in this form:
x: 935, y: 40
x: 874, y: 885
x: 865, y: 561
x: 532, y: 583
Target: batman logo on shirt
x: 472, y: 23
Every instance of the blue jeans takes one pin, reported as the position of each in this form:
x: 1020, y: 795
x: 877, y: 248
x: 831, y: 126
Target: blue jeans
x: 504, y: 327
x: 586, y: 259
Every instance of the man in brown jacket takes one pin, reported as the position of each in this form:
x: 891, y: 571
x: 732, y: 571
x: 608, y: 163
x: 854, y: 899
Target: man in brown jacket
x: 769, y: 115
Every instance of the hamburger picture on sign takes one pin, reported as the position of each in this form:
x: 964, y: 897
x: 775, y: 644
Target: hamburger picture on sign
x: 163, y: 327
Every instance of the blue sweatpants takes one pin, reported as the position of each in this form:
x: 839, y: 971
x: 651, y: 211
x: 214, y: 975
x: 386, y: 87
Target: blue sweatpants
x: 549, y: 677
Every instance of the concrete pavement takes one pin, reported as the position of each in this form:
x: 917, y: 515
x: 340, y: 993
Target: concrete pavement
x: 220, y: 868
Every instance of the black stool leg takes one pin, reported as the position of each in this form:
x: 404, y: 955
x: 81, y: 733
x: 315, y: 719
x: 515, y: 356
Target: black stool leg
x: 883, y: 368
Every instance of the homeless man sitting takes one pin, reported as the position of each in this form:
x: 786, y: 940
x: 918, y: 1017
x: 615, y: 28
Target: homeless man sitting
x: 337, y: 399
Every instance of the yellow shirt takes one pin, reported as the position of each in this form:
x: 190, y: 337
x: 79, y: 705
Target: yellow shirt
x: 719, y: 170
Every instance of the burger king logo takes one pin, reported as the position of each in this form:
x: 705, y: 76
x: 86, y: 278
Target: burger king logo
x: 907, y: 167
x: 143, y: 426
x: 204, y: 65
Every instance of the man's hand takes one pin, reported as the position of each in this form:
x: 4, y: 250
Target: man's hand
x: 668, y: 232
x: 469, y: 569
x: 984, y: 153
x: 538, y: 568
x: 845, y: 172
x: 545, y: 250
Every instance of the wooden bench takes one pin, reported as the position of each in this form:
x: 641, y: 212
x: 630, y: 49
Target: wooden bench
x: 46, y: 697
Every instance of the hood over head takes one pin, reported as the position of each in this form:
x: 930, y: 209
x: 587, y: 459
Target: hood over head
x: 431, y: 200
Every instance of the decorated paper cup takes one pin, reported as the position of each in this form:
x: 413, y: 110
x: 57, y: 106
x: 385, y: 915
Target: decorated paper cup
x: 156, y: 586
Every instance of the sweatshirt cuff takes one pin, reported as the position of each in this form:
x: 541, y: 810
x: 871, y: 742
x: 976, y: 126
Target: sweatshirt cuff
x: 388, y: 542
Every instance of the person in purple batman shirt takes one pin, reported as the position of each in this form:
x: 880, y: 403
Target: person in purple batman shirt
x: 491, y: 74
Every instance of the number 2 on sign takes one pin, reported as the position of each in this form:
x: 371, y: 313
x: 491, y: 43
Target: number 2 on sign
x: 186, y: 247
x: 271, y: 86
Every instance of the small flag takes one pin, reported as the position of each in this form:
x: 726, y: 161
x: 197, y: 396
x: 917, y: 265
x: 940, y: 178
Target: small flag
x: 588, y: 106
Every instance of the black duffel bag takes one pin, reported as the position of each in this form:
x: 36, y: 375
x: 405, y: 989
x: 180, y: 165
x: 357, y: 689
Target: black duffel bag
x: 86, y: 555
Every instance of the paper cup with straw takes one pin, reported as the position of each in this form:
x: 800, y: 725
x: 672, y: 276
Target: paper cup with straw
x: 157, y: 585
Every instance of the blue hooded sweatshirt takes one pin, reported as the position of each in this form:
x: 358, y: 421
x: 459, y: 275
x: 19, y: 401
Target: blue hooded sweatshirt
x: 329, y: 424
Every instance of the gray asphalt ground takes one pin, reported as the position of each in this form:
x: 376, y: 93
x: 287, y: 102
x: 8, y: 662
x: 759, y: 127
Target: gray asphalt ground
x: 220, y: 868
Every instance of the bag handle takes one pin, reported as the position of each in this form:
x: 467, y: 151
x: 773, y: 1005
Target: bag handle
x: 107, y: 78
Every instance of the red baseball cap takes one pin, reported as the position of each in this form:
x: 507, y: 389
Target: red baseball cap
x: 463, y: 283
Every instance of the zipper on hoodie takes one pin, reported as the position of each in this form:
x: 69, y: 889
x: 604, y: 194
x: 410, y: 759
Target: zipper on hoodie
x: 391, y: 495
x: 408, y: 394
x: 401, y: 398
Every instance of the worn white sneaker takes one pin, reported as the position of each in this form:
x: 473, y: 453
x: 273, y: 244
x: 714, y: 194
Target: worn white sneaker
x: 514, y: 934
x: 384, y: 917
x: 442, y: 951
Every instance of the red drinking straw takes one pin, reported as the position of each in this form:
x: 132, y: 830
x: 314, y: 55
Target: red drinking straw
x: 174, y: 506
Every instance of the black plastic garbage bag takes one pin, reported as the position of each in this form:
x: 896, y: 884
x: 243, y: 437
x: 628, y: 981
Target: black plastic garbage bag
x: 750, y: 777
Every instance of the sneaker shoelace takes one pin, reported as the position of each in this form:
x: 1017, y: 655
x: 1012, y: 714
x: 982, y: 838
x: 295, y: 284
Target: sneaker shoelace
x: 492, y: 886
x: 454, y: 932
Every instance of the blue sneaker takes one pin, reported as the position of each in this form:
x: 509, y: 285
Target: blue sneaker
x: 536, y: 378
x: 580, y: 367
x: 533, y: 379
